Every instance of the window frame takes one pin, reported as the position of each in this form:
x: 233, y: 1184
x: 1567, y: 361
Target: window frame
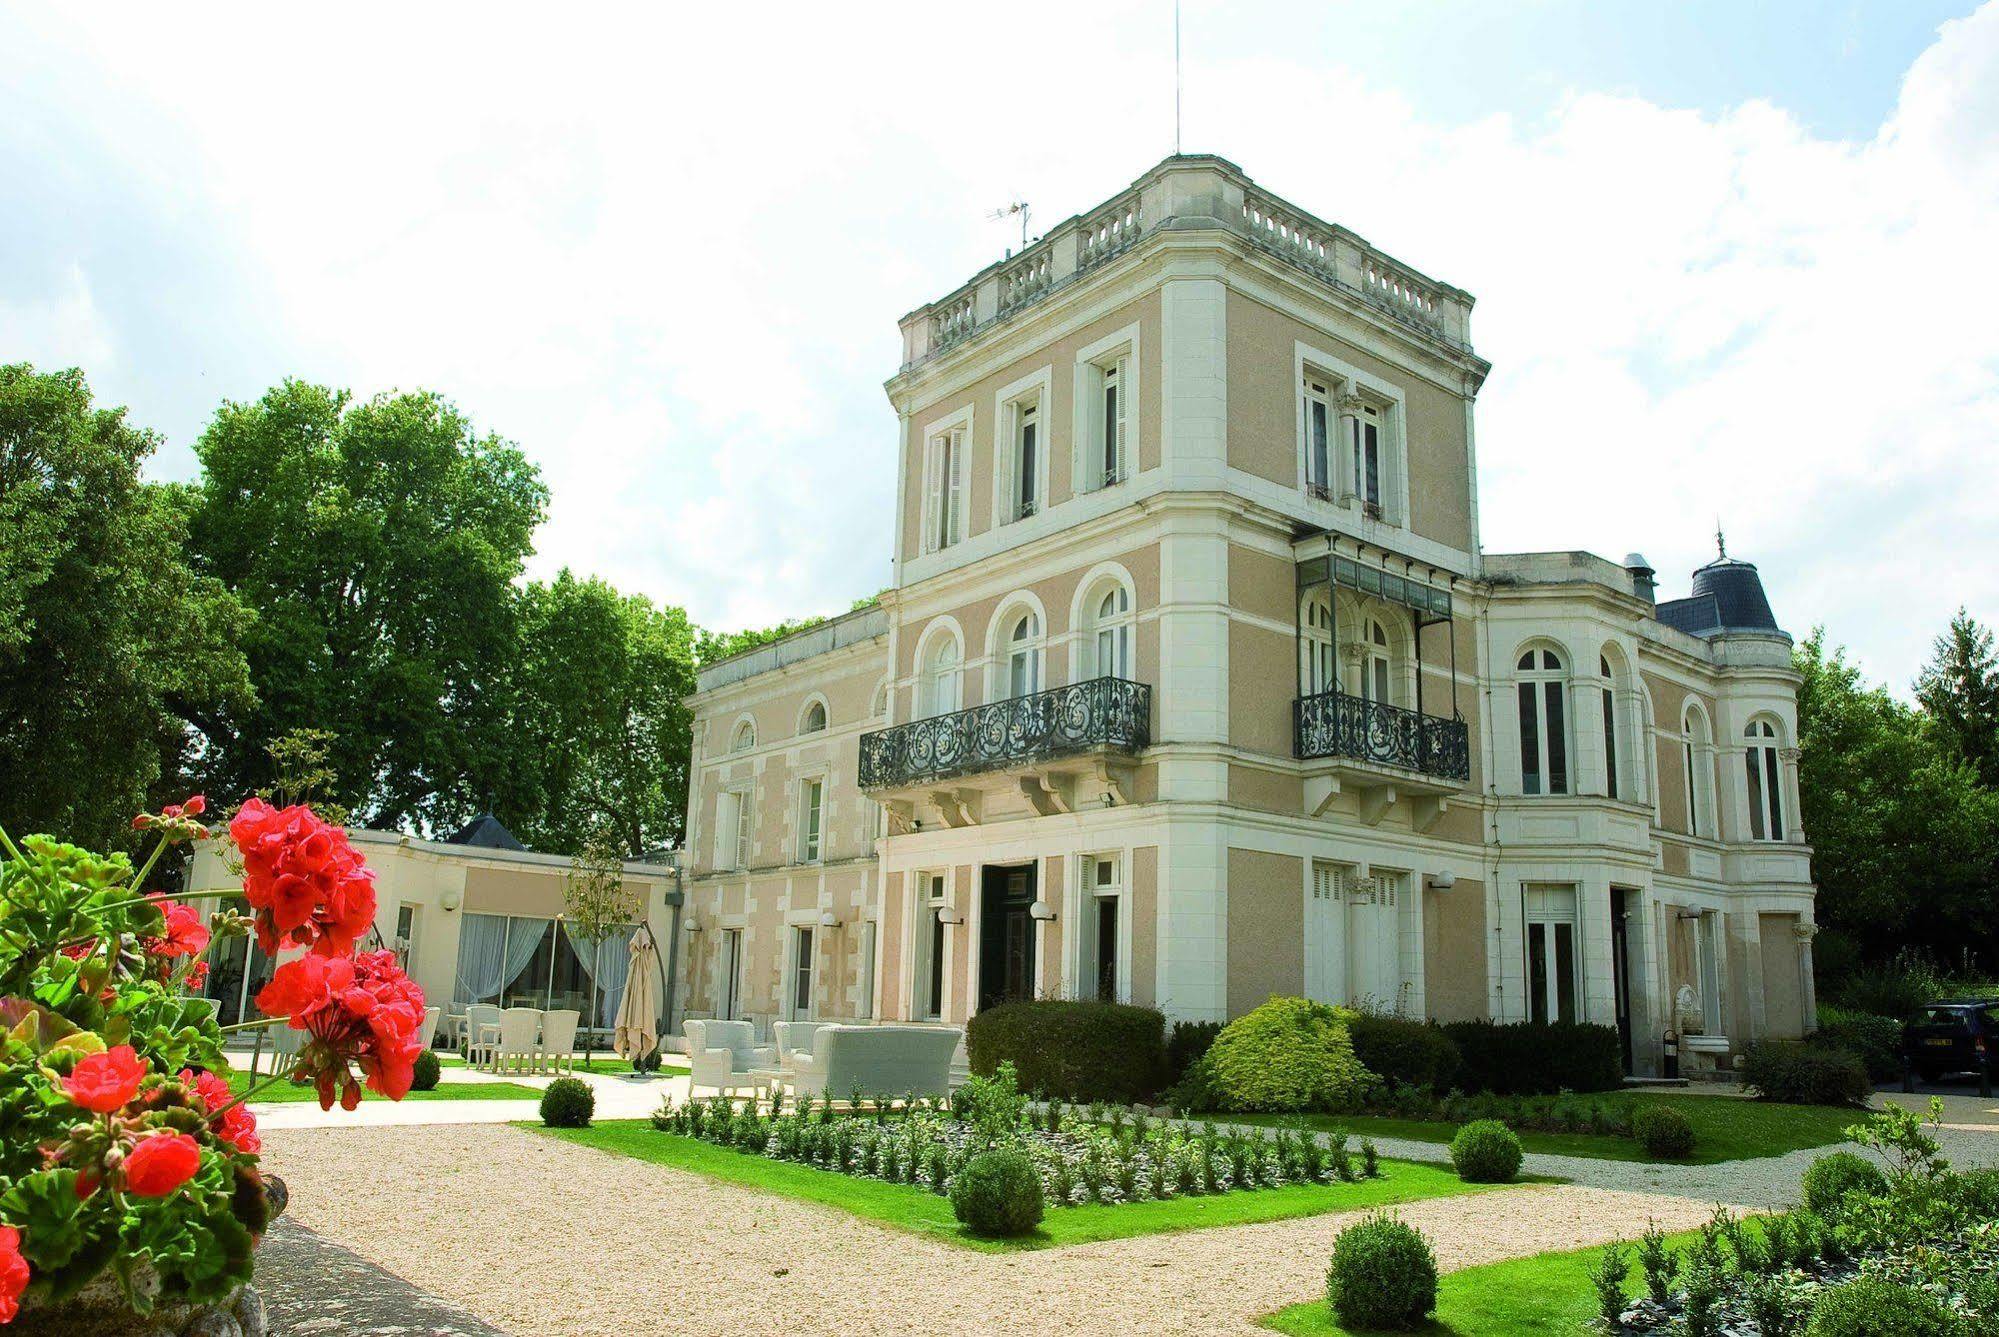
x: 1320, y: 450
x: 1545, y: 1001
x: 805, y: 717
x: 1030, y: 393
x: 1118, y: 352
x: 1347, y: 383
x: 1763, y: 779
x: 932, y: 675
x: 1697, y: 755
x: 928, y: 975
x: 803, y: 972
x: 947, y: 446
x: 1092, y: 894
x: 811, y: 818
x: 1550, y: 690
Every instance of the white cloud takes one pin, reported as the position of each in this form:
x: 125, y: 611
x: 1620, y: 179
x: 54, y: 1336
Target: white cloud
x: 665, y: 252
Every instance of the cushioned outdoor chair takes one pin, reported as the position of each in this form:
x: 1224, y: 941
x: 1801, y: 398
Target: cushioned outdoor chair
x: 891, y: 1061
x: 721, y: 1055
x: 794, y: 1038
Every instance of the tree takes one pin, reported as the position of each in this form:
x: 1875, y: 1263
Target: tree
x: 599, y: 704
x: 1959, y: 690
x: 595, y: 899
x: 1905, y: 840
x: 109, y: 643
x: 378, y: 543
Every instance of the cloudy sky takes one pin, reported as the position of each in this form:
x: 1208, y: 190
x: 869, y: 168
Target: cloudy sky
x: 1732, y: 261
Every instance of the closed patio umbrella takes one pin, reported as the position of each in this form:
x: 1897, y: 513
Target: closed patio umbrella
x: 637, y: 1033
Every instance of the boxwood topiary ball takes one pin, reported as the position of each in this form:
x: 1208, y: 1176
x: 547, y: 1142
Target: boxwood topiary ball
x: 1831, y: 1178
x: 424, y: 1074
x: 568, y: 1103
x: 1664, y: 1132
x: 998, y: 1193
x: 1383, y: 1276
x: 1485, y: 1151
x: 1875, y: 1307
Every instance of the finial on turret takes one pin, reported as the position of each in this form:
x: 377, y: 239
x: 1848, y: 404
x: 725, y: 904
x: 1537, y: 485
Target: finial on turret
x: 1720, y: 547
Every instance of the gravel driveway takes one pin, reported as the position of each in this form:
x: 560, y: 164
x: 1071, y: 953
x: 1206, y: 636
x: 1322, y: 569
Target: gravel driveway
x: 542, y: 1237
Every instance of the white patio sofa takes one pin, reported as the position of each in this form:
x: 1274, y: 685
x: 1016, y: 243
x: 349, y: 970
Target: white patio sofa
x: 877, y: 1061
x: 794, y: 1037
x: 722, y: 1053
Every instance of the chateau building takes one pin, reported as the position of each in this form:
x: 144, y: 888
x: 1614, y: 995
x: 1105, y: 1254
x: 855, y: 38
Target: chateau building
x: 1195, y: 685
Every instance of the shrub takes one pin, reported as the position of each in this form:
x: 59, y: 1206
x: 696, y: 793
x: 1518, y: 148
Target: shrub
x: 1664, y: 1132
x: 998, y: 1193
x: 568, y: 1103
x: 1383, y: 1276
x: 1186, y: 1043
x: 992, y: 1105
x: 1485, y: 1151
x: 1288, y: 1056
x: 424, y: 1074
x: 1075, y: 1050
x: 1875, y: 1307
x: 1803, y: 1074
x: 1831, y: 1178
x: 1405, y: 1053
x: 1876, y: 1039
x: 1536, y: 1058
x: 1895, y: 988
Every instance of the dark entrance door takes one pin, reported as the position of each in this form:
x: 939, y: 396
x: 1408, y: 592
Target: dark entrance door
x: 1620, y: 970
x: 1006, y: 935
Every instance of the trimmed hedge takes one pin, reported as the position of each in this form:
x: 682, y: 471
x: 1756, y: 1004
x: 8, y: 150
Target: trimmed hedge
x: 1186, y: 1044
x: 1877, y: 1307
x: 1074, y: 1050
x: 1404, y: 1052
x: 1802, y: 1074
x: 1536, y: 1058
x: 1876, y: 1039
x: 1288, y: 1056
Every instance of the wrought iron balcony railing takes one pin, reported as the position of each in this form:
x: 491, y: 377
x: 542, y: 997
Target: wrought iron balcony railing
x: 1334, y: 724
x: 1103, y: 712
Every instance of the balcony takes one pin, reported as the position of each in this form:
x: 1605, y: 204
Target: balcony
x: 1023, y: 734
x: 1380, y: 750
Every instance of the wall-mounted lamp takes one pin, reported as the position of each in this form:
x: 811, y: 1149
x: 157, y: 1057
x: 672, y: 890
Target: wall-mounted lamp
x: 1443, y: 881
x: 1041, y: 910
x: 451, y: 898
x: 1688, y: 914
x: 691, y: 924
x: 947, y: 915
x: 829, y: 919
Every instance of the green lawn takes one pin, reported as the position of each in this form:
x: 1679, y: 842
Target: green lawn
x: 909, y: 1208
x: 606, y: 1064
x: 1725, y: 1128
x: 1547, y: 1292
x: 286, y: 1093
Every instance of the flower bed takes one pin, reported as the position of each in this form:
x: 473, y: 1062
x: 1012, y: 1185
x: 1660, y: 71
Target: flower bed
x: 1109, y: 1159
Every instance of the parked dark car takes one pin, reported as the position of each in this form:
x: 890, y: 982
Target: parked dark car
x: 1953, y: 1037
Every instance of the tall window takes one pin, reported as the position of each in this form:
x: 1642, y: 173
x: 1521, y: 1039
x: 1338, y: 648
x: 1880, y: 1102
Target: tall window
x: 730, y: 1002
x: 733, y: 828
x: 1113, y: 634
x: 1609, y: 726
x: 1552, y: 982
x: 1026, y: 458
x: 929, y: 977
x: 811, y: 805
x: 1367, y: 458
x: 744, y: 738
x: 1766, y: 792
x: 801, y: 972
x: 1106, y: 894
x: 937, y: 692
x: 1544, y: 751
x: 1319, y: 657
x: 946, y: 487
x: 1695, y: 742
x: 1319, y: 420
x: 815, y: 719
x: 1108, y: 412
x: 1023, y: 661
x: 1376, y: 674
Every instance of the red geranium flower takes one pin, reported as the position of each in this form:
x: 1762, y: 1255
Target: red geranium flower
x: 160, y: 1163
x: 104, y: 1083
x: 236, y: 1126
x: 302, y: 879
x: 186, y: 935
x: 364, y: 1011
x: 13, y: 1273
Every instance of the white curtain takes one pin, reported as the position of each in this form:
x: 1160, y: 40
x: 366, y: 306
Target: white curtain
x: 608, y: 964
x: 523, y: 939
x: 481, y: 958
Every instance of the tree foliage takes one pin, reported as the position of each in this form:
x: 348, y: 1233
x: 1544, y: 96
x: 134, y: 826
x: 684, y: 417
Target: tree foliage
x: 1959, y: 691
x: 378, y: 543
x: 109, y: 643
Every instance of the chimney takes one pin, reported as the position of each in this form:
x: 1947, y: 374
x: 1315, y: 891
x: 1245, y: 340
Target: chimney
x: 1641, y: 571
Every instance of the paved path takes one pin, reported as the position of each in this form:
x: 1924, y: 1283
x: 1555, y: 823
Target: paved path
x: 544, y: 1237
x: 311, y: 1285
x: 623, y: 1096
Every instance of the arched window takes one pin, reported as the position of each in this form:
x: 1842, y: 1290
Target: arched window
x: 1319, y: 658
x: 1694, y: 744
x: 1611, y: 756
x: 1023, y: 656
x: 815, y: 718
x: 744, y: 738
x: 1376, y: 668
x: 1111, y: 644
x: 1544, y: 742
x: 937, y: 692
x: 1766, y: 791
x: 879, y: 706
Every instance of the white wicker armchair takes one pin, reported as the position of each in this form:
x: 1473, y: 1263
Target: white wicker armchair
x: 722, y: 1053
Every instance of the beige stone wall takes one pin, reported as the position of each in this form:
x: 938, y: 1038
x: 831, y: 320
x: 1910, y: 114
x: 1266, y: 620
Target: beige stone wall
x: 766, y: 907
x: 1669, y: 704
x: 1263, y: 417
x: 1266, y: 928
x: 1783, y: 997
x: 1059, y: 357
x: 1455, y: 940
x: 1144, y: 905
x: 1263, y: 681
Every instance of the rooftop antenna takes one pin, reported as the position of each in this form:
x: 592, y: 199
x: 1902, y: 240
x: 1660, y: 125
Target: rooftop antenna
x: 1176, y: 78
x: 1017, y: 207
